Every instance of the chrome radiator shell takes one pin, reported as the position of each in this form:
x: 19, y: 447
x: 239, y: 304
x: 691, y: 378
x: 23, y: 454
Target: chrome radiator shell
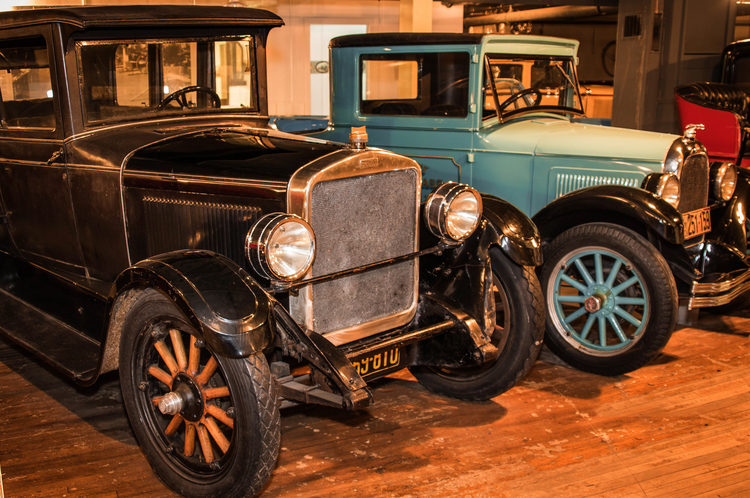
x: 363, y: 206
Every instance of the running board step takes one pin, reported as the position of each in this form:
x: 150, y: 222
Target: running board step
x: 62, y: 346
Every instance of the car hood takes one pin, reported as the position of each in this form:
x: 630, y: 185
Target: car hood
x: 230, y: 153
x: 553, y: 136
x: 217, y: 150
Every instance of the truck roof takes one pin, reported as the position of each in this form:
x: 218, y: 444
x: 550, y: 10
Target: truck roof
x: 522, y: 44
x: 139, y: 16
x: 377, y: 39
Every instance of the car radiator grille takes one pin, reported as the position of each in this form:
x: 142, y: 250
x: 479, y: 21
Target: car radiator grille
x: 694, y: 184
x: 358, y: 221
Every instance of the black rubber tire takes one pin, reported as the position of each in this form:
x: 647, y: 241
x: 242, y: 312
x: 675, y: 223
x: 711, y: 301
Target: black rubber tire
x: 254, y: 438
x: 660, y: 287
x: 521, y: 313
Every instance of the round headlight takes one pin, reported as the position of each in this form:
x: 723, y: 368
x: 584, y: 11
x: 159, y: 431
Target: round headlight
x: 281, y: 246
x: 453, y: 211
x: 668, y: 188
x: 724, y: 180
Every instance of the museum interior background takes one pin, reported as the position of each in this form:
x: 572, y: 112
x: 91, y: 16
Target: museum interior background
x: 658, y: 44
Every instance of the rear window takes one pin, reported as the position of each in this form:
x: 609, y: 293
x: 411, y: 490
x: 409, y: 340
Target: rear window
x: 424, y: 84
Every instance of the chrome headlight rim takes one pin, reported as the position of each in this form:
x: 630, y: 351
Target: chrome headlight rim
x: 668, y: 189
x: 258, y: 246
x: 437, y: 211
x: 660, y: 184
x: 723, y: 180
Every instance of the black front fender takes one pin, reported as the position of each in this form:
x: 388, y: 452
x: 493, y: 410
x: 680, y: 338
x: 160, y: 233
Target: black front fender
x: 225, y: 305
x: 519, y: 237
x: 631, y: 206
x: 729, y: 222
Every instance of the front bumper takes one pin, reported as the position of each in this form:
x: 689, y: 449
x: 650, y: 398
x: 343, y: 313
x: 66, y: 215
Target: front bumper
x: 721, y: 291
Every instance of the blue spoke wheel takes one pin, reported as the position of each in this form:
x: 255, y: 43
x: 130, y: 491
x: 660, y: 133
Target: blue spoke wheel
x: 611, y: 299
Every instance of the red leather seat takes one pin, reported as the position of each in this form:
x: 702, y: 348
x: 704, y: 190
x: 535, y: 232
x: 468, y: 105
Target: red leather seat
x: 722, y: 109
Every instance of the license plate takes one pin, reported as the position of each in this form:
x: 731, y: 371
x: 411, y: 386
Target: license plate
x: 378, y: 363
x: 697, y: 222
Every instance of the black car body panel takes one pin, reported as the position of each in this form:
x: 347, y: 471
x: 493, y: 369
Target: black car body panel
x: 152, y: 222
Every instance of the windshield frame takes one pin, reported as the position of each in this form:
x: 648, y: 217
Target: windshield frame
x: 150, y: 113
x: 504, y: 115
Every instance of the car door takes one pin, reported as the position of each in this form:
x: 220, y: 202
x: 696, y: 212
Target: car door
x: 34, y: 186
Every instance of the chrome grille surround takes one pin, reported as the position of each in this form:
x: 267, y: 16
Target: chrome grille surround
x: 363, y: 206
x: 687, y: 158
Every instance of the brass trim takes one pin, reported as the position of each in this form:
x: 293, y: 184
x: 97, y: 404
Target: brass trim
x: 348, y: 163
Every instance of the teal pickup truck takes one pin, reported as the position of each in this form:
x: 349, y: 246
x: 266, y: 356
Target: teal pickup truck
x: 633, y: 223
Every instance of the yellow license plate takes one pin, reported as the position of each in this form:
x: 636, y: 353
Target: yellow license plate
x: 378, y: 362
x: 696, y: 222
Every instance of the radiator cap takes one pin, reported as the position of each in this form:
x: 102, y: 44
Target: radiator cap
x: 358, y: 137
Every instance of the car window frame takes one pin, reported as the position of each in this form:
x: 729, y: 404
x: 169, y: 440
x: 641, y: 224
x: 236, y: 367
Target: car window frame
x: 37, y: 133
x: 97, y: 38
x: 498, y: 117
x: 403, y: 51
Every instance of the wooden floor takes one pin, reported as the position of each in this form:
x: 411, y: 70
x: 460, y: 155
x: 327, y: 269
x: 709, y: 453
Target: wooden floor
x: 679, y: 428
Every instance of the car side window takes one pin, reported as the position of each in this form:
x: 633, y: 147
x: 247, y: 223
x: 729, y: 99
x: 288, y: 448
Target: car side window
x: 25, y: 85
x: 424, y: 84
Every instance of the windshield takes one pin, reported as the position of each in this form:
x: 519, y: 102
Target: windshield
x: 135, y: 79
x: 523, y: 84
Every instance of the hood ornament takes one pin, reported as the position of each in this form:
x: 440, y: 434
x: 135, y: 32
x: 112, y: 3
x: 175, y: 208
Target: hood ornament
x: 692, y: 129
x: 358, y: 138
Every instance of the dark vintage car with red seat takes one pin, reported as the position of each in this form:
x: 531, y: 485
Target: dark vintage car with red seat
x: 721, y: 110
x: 153, y: 223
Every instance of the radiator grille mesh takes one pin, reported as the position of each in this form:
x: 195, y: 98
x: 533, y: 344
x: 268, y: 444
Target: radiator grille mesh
x: 358, y: 221
x: 693, y: 184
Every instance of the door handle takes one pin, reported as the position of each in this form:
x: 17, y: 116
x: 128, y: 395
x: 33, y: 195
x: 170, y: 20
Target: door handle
x: 55, y: 156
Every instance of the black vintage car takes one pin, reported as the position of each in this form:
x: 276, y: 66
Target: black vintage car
x: 153, y: 223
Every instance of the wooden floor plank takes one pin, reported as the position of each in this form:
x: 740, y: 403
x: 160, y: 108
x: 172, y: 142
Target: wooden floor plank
x: 677, y: 428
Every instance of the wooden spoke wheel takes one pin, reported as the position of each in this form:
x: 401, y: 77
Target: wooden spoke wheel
x: 190, y: 397
x: 209, y: 425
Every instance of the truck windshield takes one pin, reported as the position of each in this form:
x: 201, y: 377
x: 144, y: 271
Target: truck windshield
x: 133, y: 79
x: 515, y: 85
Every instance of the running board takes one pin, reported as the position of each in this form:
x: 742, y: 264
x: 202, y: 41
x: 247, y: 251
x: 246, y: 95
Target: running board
x: 59, y: 344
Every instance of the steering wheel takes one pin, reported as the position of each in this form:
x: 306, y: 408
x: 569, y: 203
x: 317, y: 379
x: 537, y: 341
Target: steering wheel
x: 179, y: 96
x: 522, y: 93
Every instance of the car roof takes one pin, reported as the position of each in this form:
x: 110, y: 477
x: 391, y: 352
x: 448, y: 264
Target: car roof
x: 139, y: 16
x: 377, y: 39
x: 513, y: 44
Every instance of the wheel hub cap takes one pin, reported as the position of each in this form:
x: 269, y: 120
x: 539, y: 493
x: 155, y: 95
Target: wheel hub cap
x: 600, y: 300
x: 191, y: 407
x: 171, y: 404
x: 592, y: 304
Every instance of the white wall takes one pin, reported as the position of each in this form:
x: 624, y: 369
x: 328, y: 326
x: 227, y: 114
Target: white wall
x: 289, y: 47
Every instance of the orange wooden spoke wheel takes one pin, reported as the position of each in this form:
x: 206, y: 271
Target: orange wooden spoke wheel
x: 209, y: 425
